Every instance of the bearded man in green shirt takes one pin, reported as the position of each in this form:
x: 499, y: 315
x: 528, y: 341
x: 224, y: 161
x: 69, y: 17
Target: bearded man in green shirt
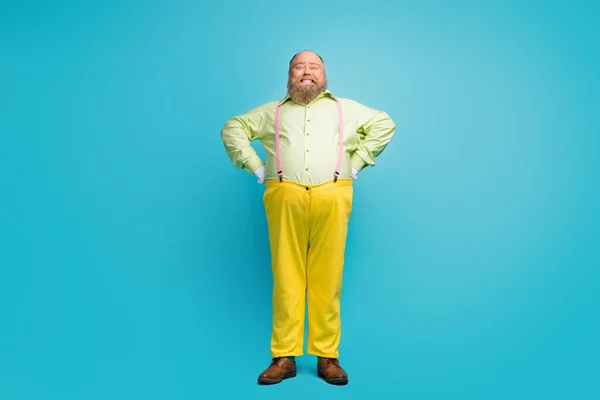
x: 316, y: 144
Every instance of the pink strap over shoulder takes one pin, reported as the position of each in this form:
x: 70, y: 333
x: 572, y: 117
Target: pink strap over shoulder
x: 338, y: 166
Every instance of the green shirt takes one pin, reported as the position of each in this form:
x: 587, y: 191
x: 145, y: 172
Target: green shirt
x: 308, y: 138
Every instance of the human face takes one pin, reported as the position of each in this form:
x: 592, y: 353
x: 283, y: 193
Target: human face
x: 306, y: 70
x: 307, y: 78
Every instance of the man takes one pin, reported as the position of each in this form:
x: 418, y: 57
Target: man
x: 312, y: 160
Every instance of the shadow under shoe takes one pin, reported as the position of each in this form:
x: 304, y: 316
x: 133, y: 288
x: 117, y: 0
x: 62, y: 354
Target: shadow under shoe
x: 330, y: 370
x: 281, y: 368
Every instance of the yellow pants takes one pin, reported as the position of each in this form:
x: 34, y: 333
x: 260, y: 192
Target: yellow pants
x: 307, y: 234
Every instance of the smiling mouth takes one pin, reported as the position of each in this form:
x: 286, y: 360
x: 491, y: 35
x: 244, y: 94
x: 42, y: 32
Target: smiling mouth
x: 307, y: 81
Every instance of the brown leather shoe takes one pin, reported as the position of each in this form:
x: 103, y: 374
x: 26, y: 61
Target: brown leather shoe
x: 281, y: 368
x: 329, y: 368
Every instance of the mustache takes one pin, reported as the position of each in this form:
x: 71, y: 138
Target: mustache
x: 296, y: 86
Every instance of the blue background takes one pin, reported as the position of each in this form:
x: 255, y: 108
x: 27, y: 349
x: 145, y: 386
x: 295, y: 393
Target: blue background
x: 134, y: 257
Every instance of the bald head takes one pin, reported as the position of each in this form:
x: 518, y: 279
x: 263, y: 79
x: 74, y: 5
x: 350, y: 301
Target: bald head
x: 306, y: 53
x: 307, y: 78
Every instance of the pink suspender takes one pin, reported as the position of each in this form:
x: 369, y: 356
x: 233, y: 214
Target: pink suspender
x: 277, y: 155
x: 336, y: 174
x: 340, y: 141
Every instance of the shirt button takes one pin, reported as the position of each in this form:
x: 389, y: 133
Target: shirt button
x: 307, y: 169
x: 307, y: 150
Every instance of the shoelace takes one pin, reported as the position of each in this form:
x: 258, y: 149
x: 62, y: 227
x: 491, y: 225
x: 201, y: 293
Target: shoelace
x: 277, y: 361
x: 333, y: 361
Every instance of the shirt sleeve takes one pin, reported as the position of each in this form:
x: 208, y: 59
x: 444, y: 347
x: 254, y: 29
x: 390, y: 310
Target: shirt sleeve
x: 237, y: 135
x: 375, y: 130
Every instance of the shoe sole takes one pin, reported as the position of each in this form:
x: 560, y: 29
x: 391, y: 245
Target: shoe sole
x: 266, y: 381
x: 334, y: 381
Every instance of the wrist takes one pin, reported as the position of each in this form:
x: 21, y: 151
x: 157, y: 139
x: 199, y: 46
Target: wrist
x: 253, y: 163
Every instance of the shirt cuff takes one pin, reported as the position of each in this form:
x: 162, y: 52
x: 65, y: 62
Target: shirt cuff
x: 357, y: 162
x: 253, y: 164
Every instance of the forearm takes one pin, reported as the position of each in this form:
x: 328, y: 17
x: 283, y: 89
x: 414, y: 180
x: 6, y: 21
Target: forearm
x: 237, y: 136
x: 374, y: 136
